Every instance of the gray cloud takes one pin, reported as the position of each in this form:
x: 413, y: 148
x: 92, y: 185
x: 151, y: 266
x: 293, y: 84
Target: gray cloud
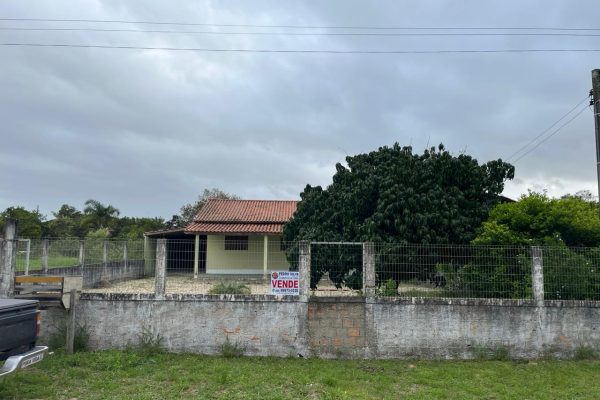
x: 148, y: 130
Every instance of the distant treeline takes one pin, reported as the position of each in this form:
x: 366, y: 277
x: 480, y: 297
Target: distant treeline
x: 98, y: 220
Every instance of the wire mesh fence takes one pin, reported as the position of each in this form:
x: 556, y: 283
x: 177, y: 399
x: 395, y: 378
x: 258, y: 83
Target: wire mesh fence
x: 36, y: 255
x: 571, y: 273
x: 404, y: 270
x: 336, y: 268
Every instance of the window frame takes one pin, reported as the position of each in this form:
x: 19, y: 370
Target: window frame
x: 235, y: 243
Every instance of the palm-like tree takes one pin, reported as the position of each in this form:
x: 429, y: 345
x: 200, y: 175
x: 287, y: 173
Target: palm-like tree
x: 98, y: 214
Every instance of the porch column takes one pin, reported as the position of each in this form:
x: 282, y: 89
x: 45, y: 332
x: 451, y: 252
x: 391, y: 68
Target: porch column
x: 265, y: 255
x: 196, y: 256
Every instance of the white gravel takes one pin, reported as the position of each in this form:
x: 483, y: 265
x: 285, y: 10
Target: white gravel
x: 189, y: 285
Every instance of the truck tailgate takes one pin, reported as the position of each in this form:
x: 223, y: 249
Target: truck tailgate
x: 17, y: 324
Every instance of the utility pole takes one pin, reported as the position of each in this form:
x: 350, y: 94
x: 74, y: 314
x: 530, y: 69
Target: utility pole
x: 596, y: 108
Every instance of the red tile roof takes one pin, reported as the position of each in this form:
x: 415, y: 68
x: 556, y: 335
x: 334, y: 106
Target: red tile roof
x: 242, y: 216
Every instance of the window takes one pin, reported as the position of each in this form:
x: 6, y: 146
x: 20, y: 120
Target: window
x: 236, y: 242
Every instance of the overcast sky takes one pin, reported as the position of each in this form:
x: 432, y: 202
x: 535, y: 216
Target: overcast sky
x: 148, y: 130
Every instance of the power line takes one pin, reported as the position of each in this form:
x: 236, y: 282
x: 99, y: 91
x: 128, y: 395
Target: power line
x: 200, y: 49
x: 585, y: 99
x: 552, y: 134
x: 375, y: 34
x: 348, y: 27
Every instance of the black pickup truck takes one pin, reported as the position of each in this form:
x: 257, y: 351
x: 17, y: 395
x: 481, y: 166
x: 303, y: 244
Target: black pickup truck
x: 19, y: 329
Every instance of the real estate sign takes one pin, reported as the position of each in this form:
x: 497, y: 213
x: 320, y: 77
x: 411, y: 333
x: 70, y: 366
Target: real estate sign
x: 285, y: 282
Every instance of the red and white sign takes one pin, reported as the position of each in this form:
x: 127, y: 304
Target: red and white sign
x: 285, y: 282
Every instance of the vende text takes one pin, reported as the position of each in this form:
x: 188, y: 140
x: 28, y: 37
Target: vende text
x: 285, y: 284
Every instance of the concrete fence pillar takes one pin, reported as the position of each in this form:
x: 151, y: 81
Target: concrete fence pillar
x: 147, y: 255
x: 125, y: 255
x: 160, y: 275
x: 8, y: 252
x: 369, y: 269
x: 105, y: 259
x: 537, y: 275
x: 304, y: 269
x: 105, y: 252
x: 81, y: 255
x: 45, y: 250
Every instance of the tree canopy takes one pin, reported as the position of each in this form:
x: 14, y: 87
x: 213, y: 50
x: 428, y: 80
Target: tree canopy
x: 188, y: 211
x: 395, y: 195
x: 537, y: 219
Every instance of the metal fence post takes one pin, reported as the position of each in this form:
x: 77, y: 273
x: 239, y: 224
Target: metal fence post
x: 537, y: 275
x: 160, y: 275
x: 45, y: 248
x: 369, y: 269
x: 8, y: 259
x: 304, y: 269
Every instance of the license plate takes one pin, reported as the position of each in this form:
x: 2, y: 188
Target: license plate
x: 32, y: 360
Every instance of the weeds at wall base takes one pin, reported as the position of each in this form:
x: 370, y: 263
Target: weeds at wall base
x: 229, y: 349
x: 58, y: 339
x: 500, y: 353
x: 583, y: 353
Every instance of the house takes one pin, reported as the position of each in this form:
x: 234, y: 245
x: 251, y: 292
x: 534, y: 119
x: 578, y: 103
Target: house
x: 231, y: 237
x: 241, y: 236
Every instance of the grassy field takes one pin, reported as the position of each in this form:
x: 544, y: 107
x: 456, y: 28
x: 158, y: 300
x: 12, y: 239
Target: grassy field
x: 138, y: 375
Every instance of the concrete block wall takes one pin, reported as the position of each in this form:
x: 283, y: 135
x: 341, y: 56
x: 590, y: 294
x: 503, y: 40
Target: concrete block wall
x: 336, y: 327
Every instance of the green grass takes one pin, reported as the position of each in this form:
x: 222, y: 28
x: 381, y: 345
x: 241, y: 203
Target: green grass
x: 135, y: 375
x: 53, y: 262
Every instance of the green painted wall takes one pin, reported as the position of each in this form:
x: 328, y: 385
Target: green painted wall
x: 221, y: 261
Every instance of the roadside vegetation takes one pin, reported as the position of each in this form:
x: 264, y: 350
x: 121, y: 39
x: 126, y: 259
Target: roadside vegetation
x: 135, y: 374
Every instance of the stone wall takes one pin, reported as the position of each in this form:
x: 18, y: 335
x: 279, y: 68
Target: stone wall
x: 261, y: 325
x: 340, y: 327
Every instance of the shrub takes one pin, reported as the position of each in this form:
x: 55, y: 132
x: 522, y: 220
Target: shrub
x: 389, y: 288
x: 229, y: 288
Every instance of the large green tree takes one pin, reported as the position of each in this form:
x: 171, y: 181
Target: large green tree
x: 98, y: 215
x: 565, y: 227
x: 29, y: 223
x: 67, y: 222
x: 393, y: 195
x: 537, y: 219
x: 189, y: 211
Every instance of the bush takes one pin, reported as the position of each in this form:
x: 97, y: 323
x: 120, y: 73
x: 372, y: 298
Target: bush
x: 229, y: 288
x: 389, y: 288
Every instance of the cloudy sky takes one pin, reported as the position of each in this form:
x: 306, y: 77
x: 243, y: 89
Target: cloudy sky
x: 148, y: 130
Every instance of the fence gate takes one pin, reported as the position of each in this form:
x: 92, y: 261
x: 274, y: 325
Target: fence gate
x: 336, y: 268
